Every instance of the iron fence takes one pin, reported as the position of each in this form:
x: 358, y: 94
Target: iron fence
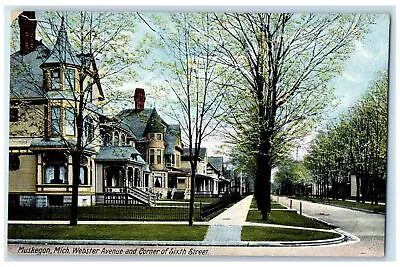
x: 225, y: 201
x: 103, y: 212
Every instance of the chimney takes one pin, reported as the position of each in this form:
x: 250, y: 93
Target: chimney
x: 140, y: 98
x: 27, y: 32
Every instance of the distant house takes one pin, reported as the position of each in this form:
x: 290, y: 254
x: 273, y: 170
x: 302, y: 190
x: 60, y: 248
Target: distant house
x: 217, y: 163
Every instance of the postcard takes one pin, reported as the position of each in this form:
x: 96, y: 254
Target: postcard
x: 197, y: 134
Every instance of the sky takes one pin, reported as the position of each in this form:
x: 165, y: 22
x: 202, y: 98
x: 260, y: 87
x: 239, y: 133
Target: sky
x: 368, y: 58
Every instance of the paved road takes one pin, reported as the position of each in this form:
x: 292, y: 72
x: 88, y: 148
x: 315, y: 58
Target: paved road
x: 369, y: 228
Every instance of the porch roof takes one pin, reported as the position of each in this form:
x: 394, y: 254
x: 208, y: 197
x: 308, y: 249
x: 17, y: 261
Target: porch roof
x: 178, y: 172
x: 57, y: 142
x: 119, y: 153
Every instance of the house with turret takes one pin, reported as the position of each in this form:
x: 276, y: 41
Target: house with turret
x: 134, y: 157
x: 46, y: 85
x: 160, y: 144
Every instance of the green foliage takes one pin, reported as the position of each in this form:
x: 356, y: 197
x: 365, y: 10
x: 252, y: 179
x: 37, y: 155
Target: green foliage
x: 289, y: 218
x: 254, y: 233
x: 108, y: 232
x: 356, y: 144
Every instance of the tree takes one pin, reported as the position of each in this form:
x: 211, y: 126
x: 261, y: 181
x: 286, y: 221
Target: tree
x: 196, y: 80
x: 357, y: 144
x: 79, y: 40
x: 285, y: 62
x: 292, y: 177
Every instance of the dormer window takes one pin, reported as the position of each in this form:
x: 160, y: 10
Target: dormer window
x: 55, y: 79
x: 69, y: 79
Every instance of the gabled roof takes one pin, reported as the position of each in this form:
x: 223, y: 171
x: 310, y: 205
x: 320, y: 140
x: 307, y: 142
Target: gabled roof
x: 142, y: 122
x: 202, y: 153
x: 26, y: 76
x: 62, y: 51
x: 171, y: 136
x: 217, y: 162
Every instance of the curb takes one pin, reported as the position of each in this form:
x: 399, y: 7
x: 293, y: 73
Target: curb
x: 338, y: 240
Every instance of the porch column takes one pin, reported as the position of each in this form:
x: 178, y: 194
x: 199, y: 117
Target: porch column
x: 126, y: 176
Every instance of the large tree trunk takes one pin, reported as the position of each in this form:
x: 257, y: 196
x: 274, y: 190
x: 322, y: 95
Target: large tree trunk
x: 76, y: 159
x: 263, y: 176
x: 191, y: 202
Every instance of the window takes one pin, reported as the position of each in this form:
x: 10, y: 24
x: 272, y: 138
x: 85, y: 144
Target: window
x: 69, y: 121
x: 83, y: 176
x: 69, y: 79
x: 157, y: 181
x: 159, y: 156
x: 55, y: 174
x: 55, y: 79
x: 89, y: 128
x: 55, y: 120
x: 159, y: 136
x: 173, y: 159
x: 13, y: 114
x: 13, y: 162
x: 151, y: 136
x: 152, y: 156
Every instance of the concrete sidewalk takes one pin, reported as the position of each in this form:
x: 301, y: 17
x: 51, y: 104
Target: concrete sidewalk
x: 227, y: 226
x: 224, y: 230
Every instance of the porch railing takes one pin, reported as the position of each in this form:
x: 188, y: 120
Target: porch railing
x: 134, y: 193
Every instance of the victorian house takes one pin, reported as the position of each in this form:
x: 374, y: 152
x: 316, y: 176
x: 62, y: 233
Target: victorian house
x: 132, y: 158
x: 159, y: 143
x: 46, y: 85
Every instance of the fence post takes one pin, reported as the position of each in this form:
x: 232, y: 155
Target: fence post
x: 301, y: 208
x: 201, y: 218
x: 290, y: 205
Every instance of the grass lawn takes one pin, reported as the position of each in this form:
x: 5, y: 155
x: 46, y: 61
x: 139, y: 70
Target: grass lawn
x: 359, y: 205
x: 274, y: 205
x: 254, y: 233
x: 289, y: 218
x: 108, y: 232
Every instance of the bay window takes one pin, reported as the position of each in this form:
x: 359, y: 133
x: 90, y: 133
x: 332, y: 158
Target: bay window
x: 69, y: 121
x: 69, y: 79
x: 55, y: 120
x: 55, y: 174
x: 55, y: 79
x: 152, y: 156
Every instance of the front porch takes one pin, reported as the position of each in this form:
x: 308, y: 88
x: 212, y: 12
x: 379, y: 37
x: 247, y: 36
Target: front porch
x: 123, y: 177
x: 206, y: 185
